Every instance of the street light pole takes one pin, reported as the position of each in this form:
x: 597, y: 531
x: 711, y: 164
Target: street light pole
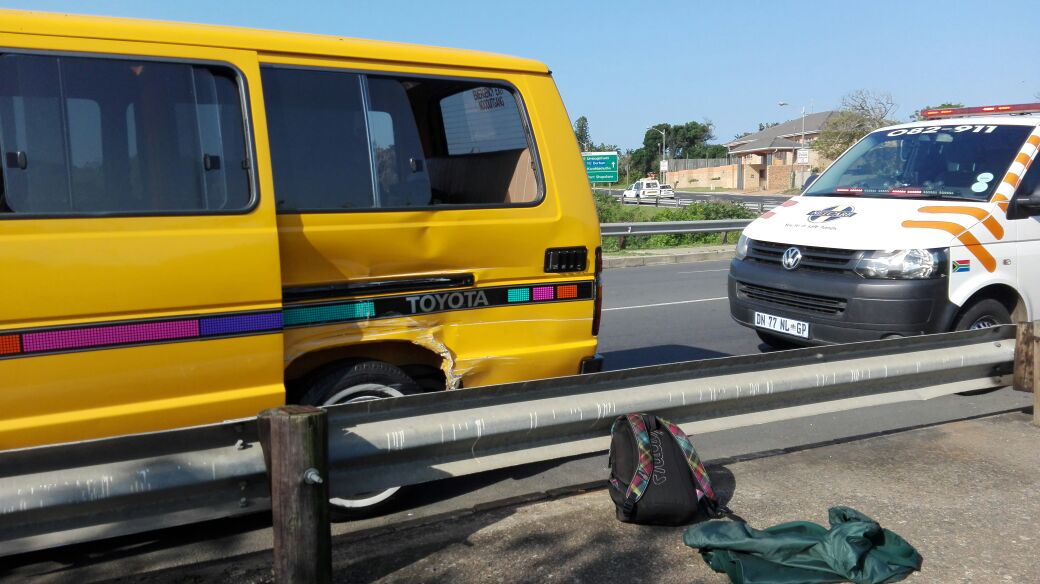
x: 664, y: 141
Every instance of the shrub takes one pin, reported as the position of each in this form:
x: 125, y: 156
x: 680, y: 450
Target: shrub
x: 611, y: 211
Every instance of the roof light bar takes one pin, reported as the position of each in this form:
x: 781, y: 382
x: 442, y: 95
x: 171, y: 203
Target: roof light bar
x: 1018, y: 108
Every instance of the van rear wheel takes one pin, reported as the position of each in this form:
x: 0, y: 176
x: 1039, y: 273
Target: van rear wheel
x: 353, y: 382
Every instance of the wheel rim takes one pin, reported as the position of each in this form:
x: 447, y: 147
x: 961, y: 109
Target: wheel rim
x: 352, y: 395
x: 984, y: 321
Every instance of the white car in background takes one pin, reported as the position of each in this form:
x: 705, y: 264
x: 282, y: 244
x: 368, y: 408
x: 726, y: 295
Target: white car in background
x: 643, y: 188
x: 667, y: 191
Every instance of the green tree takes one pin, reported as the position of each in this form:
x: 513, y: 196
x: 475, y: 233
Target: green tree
x: 689, y: 139
x: 861, y: 112
x: 581, y: 132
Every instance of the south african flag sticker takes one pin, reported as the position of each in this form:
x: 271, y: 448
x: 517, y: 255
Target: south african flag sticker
x: 961, y: 266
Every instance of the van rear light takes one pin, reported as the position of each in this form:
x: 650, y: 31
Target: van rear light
x: 597, y: 310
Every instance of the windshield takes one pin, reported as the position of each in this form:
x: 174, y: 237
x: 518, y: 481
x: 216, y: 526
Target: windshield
x: 962, y: 161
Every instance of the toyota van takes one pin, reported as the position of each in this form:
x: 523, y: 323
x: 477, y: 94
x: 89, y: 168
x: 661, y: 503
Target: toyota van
x: 201, y: 222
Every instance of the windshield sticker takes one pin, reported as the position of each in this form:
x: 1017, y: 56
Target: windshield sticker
x: 985, y: 177
x: 961, y: 266
x: 979, y: 187
x: 830, y: 214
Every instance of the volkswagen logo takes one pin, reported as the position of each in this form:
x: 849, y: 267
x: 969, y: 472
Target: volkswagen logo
x: 791, y: 258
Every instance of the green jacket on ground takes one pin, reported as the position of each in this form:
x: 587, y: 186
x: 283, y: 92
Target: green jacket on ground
x: 855, y: 549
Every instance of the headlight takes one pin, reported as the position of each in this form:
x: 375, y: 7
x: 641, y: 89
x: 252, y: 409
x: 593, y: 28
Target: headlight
x: 742, y: 245
x: 903, y: 264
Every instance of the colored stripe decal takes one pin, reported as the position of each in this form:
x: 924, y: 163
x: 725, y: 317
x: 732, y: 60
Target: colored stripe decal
x: 312, y: 315
x: 231, y: 325
x: 518, y: 295
x: 109, y: 335
x: 543, y: 293
x: 568, y: 291
x: 137, y: 333
x: 10, y: 344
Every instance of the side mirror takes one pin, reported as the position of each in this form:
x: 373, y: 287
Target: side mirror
x: 1024, y: 207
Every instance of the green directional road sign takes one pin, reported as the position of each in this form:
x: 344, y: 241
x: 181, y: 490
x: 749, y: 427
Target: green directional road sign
x: 601, y: 166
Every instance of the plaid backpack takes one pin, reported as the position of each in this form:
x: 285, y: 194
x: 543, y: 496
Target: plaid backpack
x: 656, y: 476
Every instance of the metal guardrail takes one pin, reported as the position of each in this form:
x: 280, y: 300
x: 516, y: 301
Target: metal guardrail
x: 677, y: 202
x: 63, y: 494
x: 666, y: 227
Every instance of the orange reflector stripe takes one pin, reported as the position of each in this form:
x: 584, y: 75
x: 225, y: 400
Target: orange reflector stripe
x: 992, y: 224
x: 958, y: 231
x: 994, y: 227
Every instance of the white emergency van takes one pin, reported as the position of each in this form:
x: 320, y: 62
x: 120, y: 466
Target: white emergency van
x: 923, y: 227
x: 644, y: 188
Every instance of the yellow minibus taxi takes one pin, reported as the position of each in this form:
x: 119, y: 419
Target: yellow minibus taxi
x: 201, y: 222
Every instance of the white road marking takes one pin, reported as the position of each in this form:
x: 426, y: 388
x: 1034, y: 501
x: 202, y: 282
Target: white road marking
x: 667, y: 303
x: 702, y: 271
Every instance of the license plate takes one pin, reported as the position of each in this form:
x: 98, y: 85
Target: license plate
x: 780, y: 324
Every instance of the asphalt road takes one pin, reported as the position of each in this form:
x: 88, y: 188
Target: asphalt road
x: 652, y: 315
x: 669, y: 314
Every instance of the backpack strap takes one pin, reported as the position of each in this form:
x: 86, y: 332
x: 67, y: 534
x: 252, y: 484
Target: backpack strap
x: 704, y: 490
x: 645, y: 467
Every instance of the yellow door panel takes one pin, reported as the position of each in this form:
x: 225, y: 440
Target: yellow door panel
x: 92, y: 394
x: 111, y: 314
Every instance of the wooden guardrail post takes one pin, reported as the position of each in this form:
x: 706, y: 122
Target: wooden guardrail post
x: 1027, y: 370
x: 295, y: 443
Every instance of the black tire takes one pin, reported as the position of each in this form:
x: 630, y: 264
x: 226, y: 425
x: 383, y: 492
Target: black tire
x: 355, y: 381
x: 982, y: 314
x: 983, y: 311
x: 777, y: 342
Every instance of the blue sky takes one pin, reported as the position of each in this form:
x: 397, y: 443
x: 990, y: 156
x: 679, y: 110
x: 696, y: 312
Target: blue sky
x: 627, y: 65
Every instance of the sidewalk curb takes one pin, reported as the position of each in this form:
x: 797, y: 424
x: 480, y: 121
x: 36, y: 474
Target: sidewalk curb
x: 620, y: 261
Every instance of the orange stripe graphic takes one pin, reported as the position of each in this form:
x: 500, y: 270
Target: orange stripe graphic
x: 1034, y: 140
x: 1022, y: 159
x: 962, y: 234
x: 992, y: 224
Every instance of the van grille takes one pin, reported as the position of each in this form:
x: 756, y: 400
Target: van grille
x: 796, y: 300
x: 813, y: 258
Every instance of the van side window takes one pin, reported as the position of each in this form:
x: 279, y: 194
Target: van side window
x: 343, y: 141
x: 319, y: 144
x: 401, y: 174
x: 489, y: 159
x: 89, y: 136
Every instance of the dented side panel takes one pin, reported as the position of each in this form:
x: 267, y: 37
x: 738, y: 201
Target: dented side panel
x: 497, y: 246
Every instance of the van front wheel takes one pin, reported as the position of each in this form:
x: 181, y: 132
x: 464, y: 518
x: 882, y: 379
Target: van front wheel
x: 353, y: 382
x: 985, y: 313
